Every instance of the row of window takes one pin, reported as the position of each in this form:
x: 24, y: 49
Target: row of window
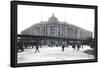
x: 55, y: 31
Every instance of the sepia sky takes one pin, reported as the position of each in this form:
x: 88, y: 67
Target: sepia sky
x: 29, y: 15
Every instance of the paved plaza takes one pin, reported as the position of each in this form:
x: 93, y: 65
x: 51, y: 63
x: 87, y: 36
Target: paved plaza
x: 53, y: 54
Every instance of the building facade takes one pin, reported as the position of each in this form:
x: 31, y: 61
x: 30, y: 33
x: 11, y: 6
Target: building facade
x: 55, y: 28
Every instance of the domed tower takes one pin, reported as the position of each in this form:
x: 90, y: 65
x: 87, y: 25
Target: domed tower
x: 53, y: 19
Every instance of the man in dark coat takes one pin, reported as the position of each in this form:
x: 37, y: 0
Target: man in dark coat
x: 74, y: 47
x: 37, y: 46
x: 63, y: 46
x: 78, y: 47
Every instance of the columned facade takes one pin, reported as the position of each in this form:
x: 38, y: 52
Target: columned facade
x: 54, y: 28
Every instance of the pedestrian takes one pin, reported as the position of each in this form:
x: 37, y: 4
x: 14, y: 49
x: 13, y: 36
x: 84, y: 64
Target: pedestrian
x: 63, y: 46
x: 78, y: 47
x: 74, y: 47
x: 37, y: 46
x: 20, y: 46
x: 82, y: 46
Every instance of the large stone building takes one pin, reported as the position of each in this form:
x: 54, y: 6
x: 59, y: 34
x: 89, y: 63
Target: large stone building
x: 55, y: 28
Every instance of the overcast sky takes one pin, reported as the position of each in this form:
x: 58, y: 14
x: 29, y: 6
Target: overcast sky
x: 29, y: 15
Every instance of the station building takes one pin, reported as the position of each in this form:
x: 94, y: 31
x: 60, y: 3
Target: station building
x: 55, y: 28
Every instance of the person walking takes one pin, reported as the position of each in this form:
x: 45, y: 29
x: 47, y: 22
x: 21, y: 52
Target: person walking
x: 74, y: 47
x: 78, y: 47
x: 37, y: 46
x: 63, y: 46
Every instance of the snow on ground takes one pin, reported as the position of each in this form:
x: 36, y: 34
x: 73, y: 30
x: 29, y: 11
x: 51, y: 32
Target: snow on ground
x: 52, y: 54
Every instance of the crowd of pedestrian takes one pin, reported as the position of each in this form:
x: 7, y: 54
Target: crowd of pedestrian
x: 21, y: 46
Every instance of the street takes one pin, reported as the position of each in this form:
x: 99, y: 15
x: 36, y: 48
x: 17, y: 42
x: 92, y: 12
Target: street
x: 53, y: 54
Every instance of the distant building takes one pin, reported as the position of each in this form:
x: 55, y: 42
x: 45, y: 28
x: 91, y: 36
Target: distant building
x: 54, y: 28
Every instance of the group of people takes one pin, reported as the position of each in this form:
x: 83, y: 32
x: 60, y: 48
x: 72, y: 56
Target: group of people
x: 77, y: 47
x: 36, y: 45
x: 21, y: 46
x: 74, y: 46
